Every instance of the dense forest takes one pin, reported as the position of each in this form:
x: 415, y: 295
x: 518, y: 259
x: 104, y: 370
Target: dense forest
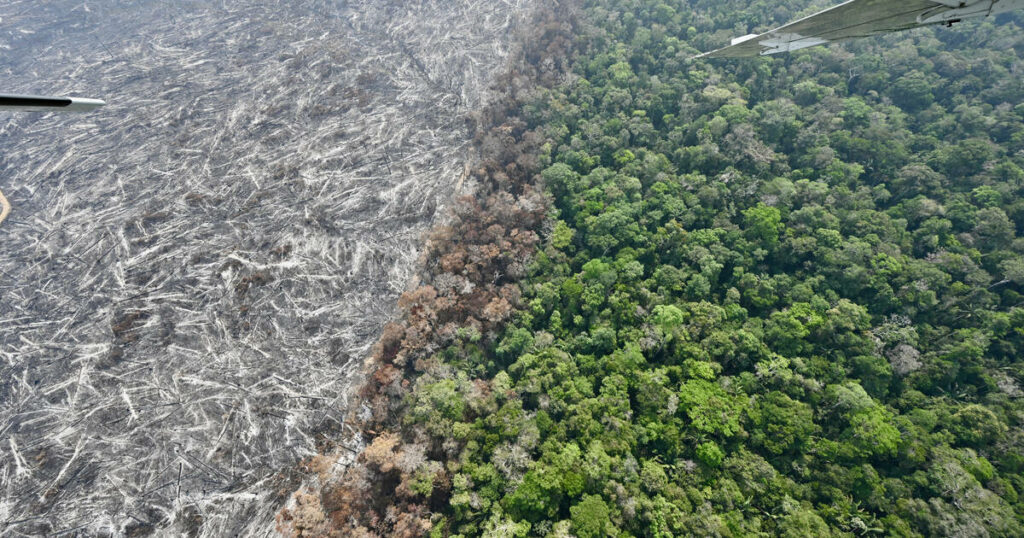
x: 772, y: 297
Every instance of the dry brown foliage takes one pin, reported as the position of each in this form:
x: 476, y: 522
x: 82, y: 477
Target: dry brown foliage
x: 305, y: 519
x: 381, y: 453
x: 320, y: 465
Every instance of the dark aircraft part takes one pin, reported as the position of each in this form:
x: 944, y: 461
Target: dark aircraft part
x: 34, y: 101
x: 46, y: 103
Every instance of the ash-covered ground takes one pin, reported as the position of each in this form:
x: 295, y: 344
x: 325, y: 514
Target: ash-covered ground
x: 191, y: 276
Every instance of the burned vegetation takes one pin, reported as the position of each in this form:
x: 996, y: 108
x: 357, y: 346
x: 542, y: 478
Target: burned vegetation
x: 388, y: 478
x: 189, y: 275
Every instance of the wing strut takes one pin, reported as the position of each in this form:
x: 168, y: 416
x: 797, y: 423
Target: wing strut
x: 48, y: 104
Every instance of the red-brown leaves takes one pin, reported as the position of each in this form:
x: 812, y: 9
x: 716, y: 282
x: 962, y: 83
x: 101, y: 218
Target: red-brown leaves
x: 381, y: 453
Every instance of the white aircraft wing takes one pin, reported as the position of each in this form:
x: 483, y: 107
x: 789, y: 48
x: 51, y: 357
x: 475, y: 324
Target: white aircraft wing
x: 48, y: 104
x: 861, y: 18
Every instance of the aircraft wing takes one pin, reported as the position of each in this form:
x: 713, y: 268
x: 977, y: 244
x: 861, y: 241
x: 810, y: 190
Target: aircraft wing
x: 861, y: 18
x: 48, y: 104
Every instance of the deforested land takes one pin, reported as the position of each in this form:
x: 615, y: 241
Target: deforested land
x: 190, y: 275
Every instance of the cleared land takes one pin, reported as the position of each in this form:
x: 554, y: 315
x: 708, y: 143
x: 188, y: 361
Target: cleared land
x: 191, y: 276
